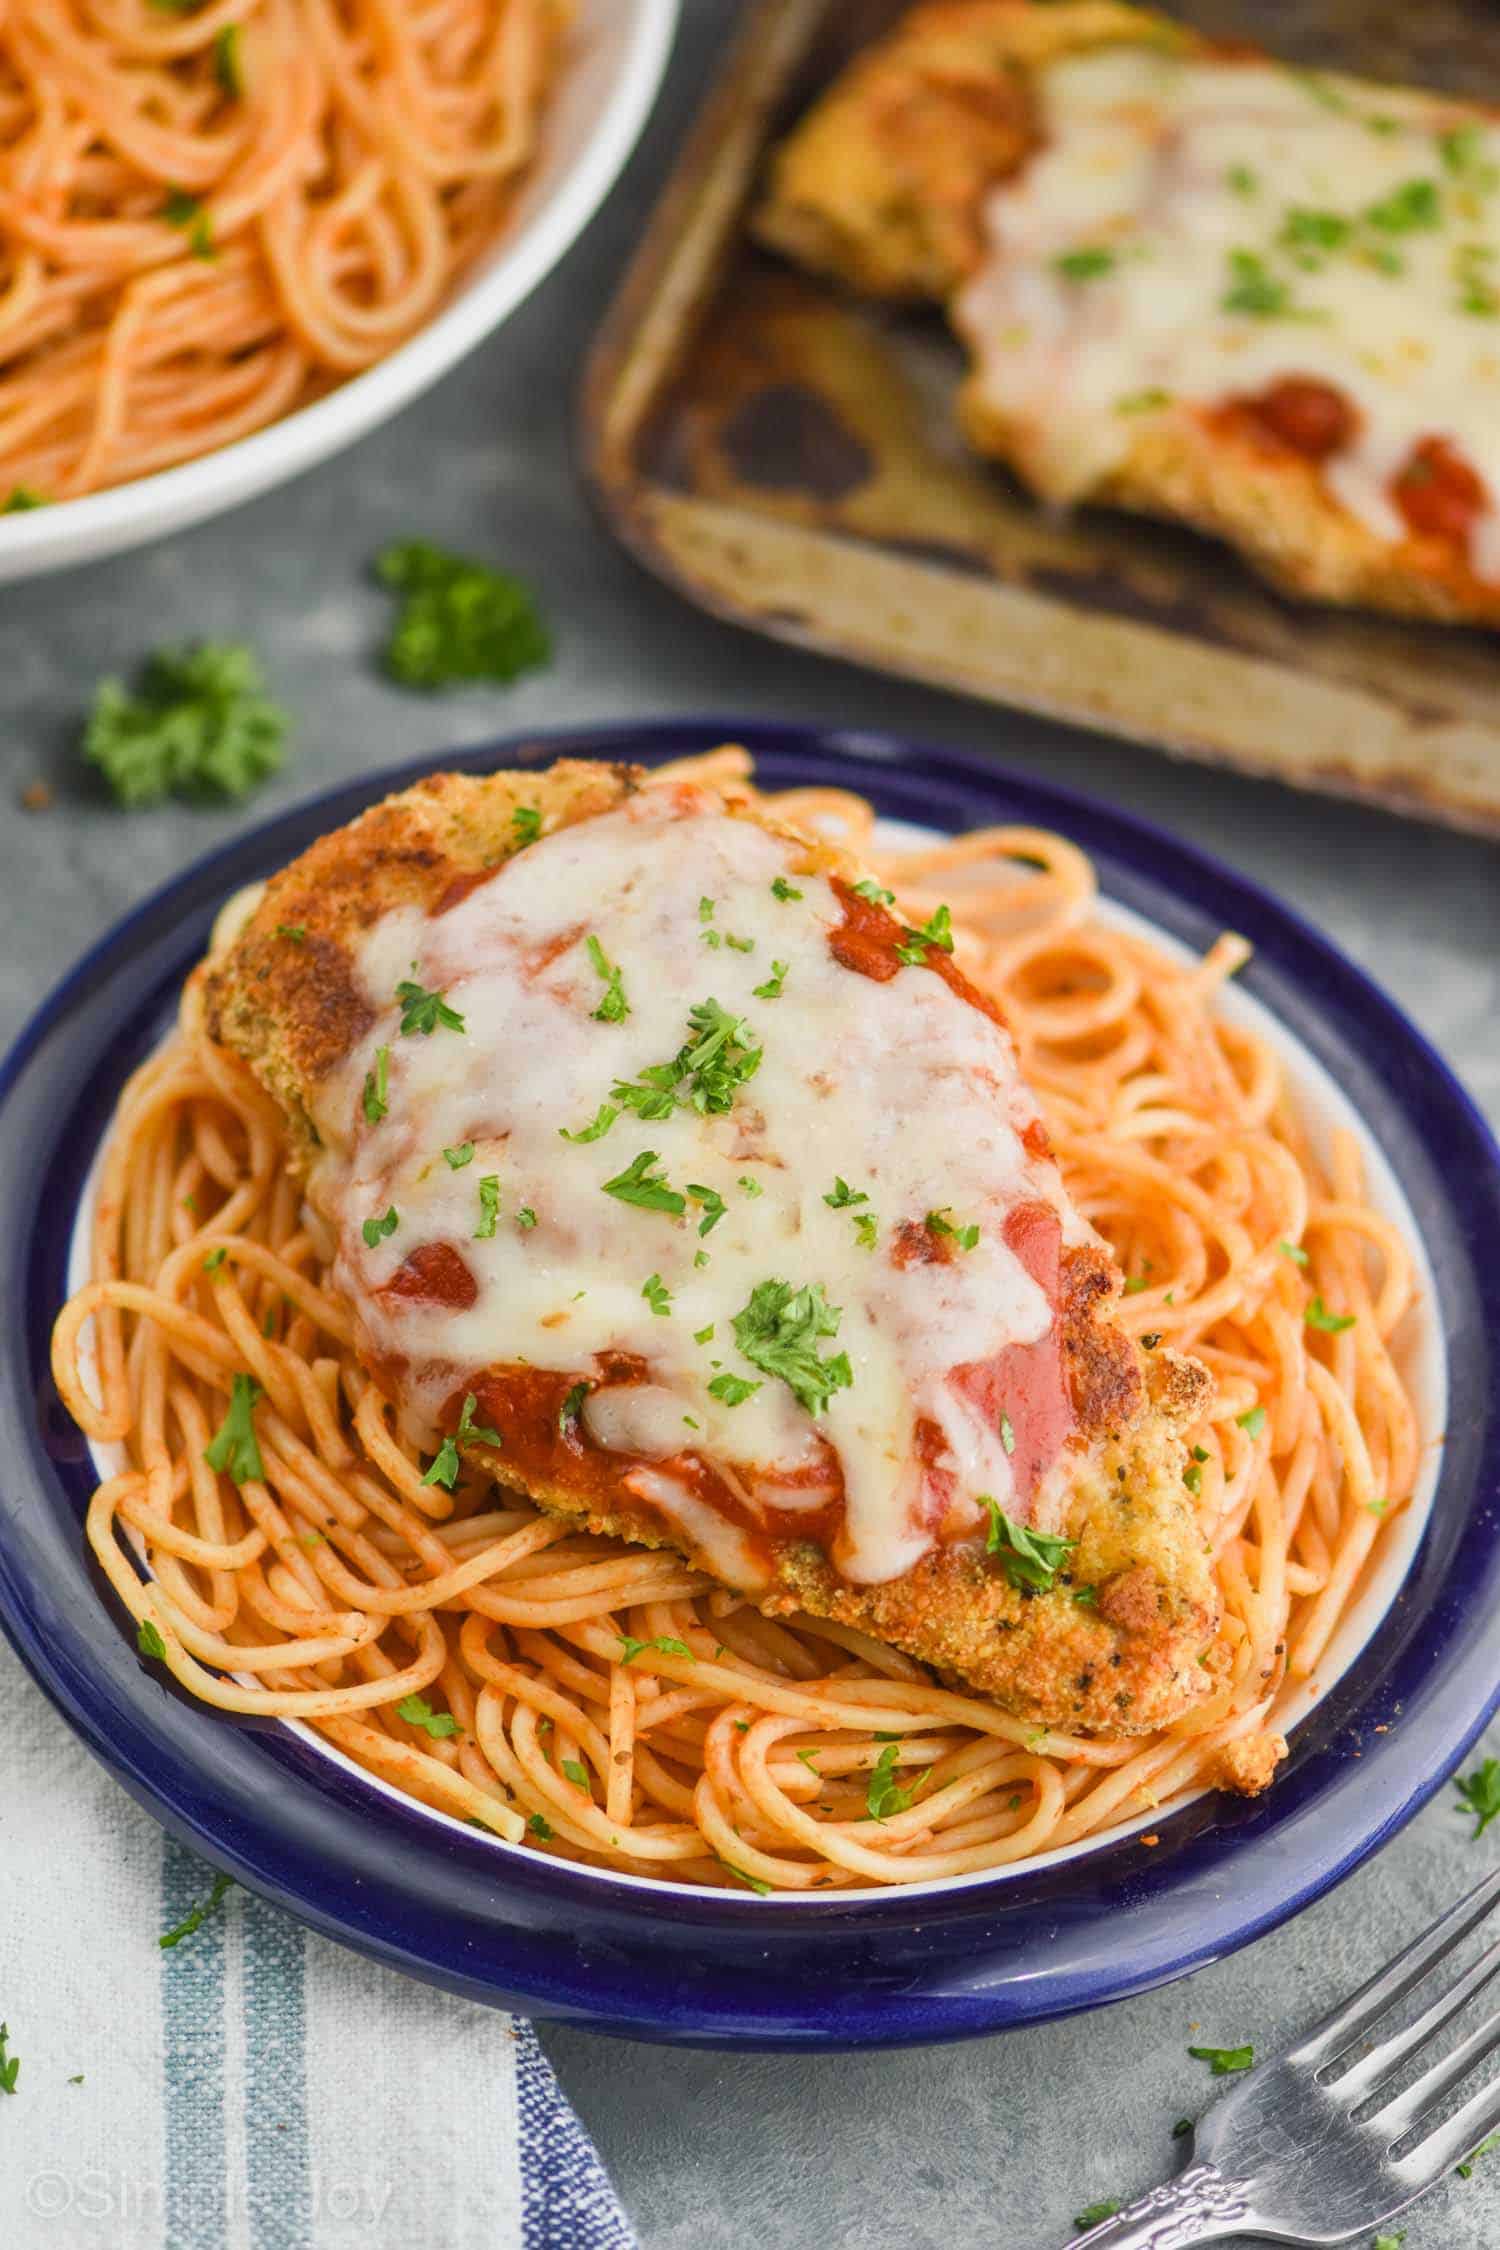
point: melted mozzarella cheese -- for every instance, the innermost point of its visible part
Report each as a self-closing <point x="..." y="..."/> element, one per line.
<point x="903" y="1089"/>
<point x="1178" y="170"/>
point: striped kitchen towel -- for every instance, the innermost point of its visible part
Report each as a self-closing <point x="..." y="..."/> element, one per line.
<point x="252" y="2087"/>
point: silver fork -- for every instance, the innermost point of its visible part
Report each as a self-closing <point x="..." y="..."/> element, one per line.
<point x="1284" y="2155"/>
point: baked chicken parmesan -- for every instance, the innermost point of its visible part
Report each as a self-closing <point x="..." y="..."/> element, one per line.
<point x="1192" y="281"/>
<point x="683" y="1184"/>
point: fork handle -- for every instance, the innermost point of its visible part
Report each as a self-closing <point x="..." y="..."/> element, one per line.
<point x="1200" y="2205"/>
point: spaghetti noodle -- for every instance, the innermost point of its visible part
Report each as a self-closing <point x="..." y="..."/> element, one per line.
<point x="608" y="1702"/>
<point x="210" y="215"/>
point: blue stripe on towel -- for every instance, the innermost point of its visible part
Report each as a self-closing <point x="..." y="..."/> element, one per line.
<point x="192" y="1999"/>
<point x="277" y="2155"/>
<point x="567" y="2202"/>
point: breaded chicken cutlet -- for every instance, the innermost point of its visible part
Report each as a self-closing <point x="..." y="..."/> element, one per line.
<point x="701" y="1199"/>
<point x="1192" y="281"/>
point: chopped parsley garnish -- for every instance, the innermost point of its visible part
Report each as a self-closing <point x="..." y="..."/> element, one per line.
<point x="762" y="1890"/>
<point x="196" y="1916"/>
<point x="445" y="1462"/>
<point x="1478" y="294"/>
<point x="21" y="498"/>
<point x="295" y="933"/>
<point x="1007" y="1433"/>
<point x="1465" y="2170"/>
<point x="866" y="1229"/>
<point x="1096" y="2214"/>
<point x="1253" y="1422"/>
<point x="748" y="1186"/>
<point x="1479" y="1793"/>
<point x="614" y="1007"/>
<point x="806" y="1756"/>
<point x="377" y="1083"/>
<point x="577" y="1773"/>
<point x="1030" y="1559"/>
<point x="186" y="211"/>
<point x="875" y="892"/>
<point x="525" y="1218"/>
<point x="778" y="1331"/>
<point x="704" y="1335"/>
<point x="1306" y="229"/>
<point x="376" y="1230"/>
<point x="646" y="1188"/>
<point x="1182" y="2128"/>
<point x="1254" y="289"/>
<point x="1318" y="1316"/>
<point x="1085" y="265"/>
<point x="1224" y="2061"/>
<point x="489" y="1206"/>
<point x="1241" y="179"/>
<point x="228" y="67"/>
<point x="664" y="1645"/>
<point x="714" y="1206"/>
<point x="215" y="1259"/>
<point x="568" y="1412"/>
<point x="10" y="2065"/>
<point x="459" y="619"/>
<point x="1136" y="1283"/>
<point x="526" y="825"/>
<point x="657" y="1295"/>
<point x="541" y="1827"/>
<point x="771" y="989"/>
<point x="1294" y="1251"/>
<point x="1326" y="96"/>
<point x="604" y="1117"/>
<point x="422" y="1012"/>
<point x="842" y="1197"/>
<point x="706" y="909"/>
<point x="783" y="890"/>
<point x="1192" y="1477"/>
<point x="941" y="1222"/>
<point x="883" y="1796"/>
<point x="457" y="1158"/>
<point x="418" y="1712"/>
<point x="721" y="1057"/>
<point x="148" y="1640"/>
<point x="1414" y="207"/>
<point x="936" y="930"/>
<point x="202" y="726"/>
<point x="1143" y="402"/>
<point x="1087" y="1597"/>
<point x="234" y="1446"/>
<point x="732" y="1390"/>
<point x="739" y="944"/>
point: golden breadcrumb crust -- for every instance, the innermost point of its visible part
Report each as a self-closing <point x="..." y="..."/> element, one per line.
<point x="1124" y="1658"/>
<point x="882" y="186"/>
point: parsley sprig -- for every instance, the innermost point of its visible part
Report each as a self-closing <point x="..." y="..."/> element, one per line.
<point x="641" y="1184"/>
<point x="936" y="931"/>
<point x="197" y="1915"/>
<point x="418" y="1712"/>
<point x="779" y="1329"/>
<point x="423" y="1011"/>
<point x="201" y="726"/>
<point x="883" y="1796"/>
<point x="705" y="1074"/>
<point x="234" y="1446"/>
<point x="1479" y="1793"/>
<point x="459" y="619"/>
<point x="614" y="1007"/>
<point x="1030" y="1559"/>
<point x="445" y="1462"/>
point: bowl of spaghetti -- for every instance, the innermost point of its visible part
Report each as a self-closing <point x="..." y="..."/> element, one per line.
<point x="237" y="237"/>
<point x="1258" y="1135"/>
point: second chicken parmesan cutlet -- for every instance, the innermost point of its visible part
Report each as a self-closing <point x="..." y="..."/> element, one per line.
<point x="685" y="1186"/>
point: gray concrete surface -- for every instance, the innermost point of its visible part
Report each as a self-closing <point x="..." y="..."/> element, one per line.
<point x="991" y="2145"/>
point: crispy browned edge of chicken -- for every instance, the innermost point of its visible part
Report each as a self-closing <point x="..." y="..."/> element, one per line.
<point x="882" y="186"/>
<point x="1130" y="1661"/>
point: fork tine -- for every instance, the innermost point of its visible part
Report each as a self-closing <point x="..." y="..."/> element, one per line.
<point x="1354" y="2084"/>
<point x="1345" y="2024"/>
<point x="1450" y="2143"/>
<point x="1398" y="2115"/>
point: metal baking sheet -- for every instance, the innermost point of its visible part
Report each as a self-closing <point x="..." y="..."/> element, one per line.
<point x="789" y="458"/>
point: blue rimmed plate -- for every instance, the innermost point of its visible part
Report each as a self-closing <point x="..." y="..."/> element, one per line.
<point x="445" y="1903"/>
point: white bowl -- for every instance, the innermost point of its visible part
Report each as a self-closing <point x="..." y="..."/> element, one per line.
<point x="601" y="102"/>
